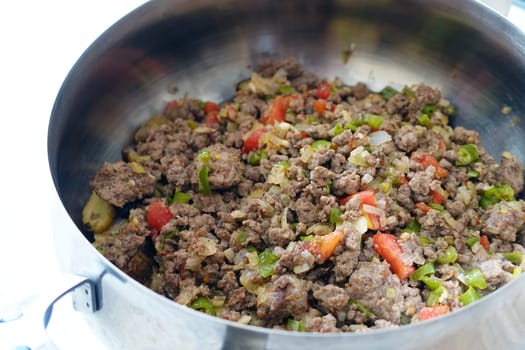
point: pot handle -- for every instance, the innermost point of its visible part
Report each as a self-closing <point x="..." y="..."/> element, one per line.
<point x="25" y="324"/>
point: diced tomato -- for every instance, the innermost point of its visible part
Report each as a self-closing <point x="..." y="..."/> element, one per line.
<point x="303" y="134"/>
<point x="429" y="312"/>
<point x="319" y="106"/>
<point x="373" y="221"/>
<point x="276" y="112"/>
<point x="170" y="106"/>
<point x="484" y="241"/>
<point x="385" y="244"/>
<point x="325" y="245"/>
<point x="323" y="90"/>
<point x="211" y="118"/>
<point x="402" y="179"/>
<point x="252" y="142"/>
<point x="210" y="107"/>
<point x="423" y="207"/>
<point x="427" y="160"/>
<point x="437" y="197"/>
<point x="158" y="214"/>
<point x="366" y="197"/>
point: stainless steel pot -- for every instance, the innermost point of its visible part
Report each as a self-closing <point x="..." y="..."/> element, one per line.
<point x="203" y="47"/>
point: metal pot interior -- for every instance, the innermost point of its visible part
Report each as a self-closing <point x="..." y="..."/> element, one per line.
<point x="202" y="48"/>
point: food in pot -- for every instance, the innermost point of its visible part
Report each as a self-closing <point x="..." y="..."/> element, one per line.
<point x="308" y="205"/>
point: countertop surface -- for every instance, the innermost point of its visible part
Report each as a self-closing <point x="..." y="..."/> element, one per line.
<point x="41" y="40"/>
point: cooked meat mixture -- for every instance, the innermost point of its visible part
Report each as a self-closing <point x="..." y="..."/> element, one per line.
<point x="309" y="205"/>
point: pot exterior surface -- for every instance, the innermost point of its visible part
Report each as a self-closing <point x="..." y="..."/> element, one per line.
<point x="203" y="48"/>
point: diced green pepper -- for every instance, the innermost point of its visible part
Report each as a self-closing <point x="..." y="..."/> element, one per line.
<point x="204" y="156"/>
<point x="372" y="120"/>
<point x="473" y="174"/>
<point x="469" y="296"/>
<point x="437" y="207"/>
<point x="319" y="144"/>
<point x="308" y="238"/>
<point x="285" y="164"/>
<point x="412" y="226"/>
<point x="424" y="120"/>
<point x="474" y="278"/>
<point x="201" y="104"/>
<point x="431" y="282"/>
<point x="285" y="90"/>
<point x="513" y="257"/>
<point x="471" y="241"/>
<point x="467" y="154"/>
<point x="335" y="216"/>
<point x="434" y="295"/>
<point x="424" y="240"/>
<point x="449" y="256"/>
<point x="204" y="184"/>
<point x="267" y="261"/>
<point x="496" y="194"/>
<point x="241" y="236"/>
<point x="388" y="92"/>
<point x="336" y="129"/>
<point x="363" y="309"/>
<point x="192" y="124"/>
<point x="203" y="303"/>
<point x="429" y="109"/>
<point x="423" y="270"/>
<point x="407" y="92"/>
<point x="255" y="157"/>
<point x="297" y="326"/>
<point x="181" y="198"/>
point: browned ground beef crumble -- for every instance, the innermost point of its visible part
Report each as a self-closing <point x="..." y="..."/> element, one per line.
<point x="251" y="250"/>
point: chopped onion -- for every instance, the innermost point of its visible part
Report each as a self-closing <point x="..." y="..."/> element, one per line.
<point x="367" y="178"/>
<point x="209" y="247"/>
<point x="238" y="214"/>
<point x="370" y="209"/>
<point x="358" y="156"/>
<point x="360" y="225"/>
<point x="229" y="254"/>
<point x="379" y="137"/>
<point x="245" y="319"/>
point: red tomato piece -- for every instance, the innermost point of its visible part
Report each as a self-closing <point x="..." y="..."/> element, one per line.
<point x="423" y="207"/>
<point x="210" y="107"/>
<point x="427" y="160"/>
<point x="373" y="221"/>
<point x="276" y="112"/>
<point x="366" y="197"/>
<point x="326" y="245"/>
<point x="319" y="106"/>
<point x="252" y="142"/>
<point x="437" y="197"/>
<point x="484" y="241"/>
<point x="170" y="106"/>
<point x="429" y="312"/>
<point x="385" y="244"/>
<point x="211" y="118"/>
<point x="158" y="214"/>
<point x="323" y="90"/>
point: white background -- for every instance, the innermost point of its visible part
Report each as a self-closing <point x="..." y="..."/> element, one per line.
<point x="39" y="43"/>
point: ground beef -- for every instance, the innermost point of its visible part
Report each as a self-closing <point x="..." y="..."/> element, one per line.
<point x="503" y="220"/>
<point x="511" y="172"/>
<point x="269" y="208"/>
<point x="119" y="184"/>
<point x="369" y="283"/>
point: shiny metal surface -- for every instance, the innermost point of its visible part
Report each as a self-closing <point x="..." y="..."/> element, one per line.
<point x="203" y="47"/>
